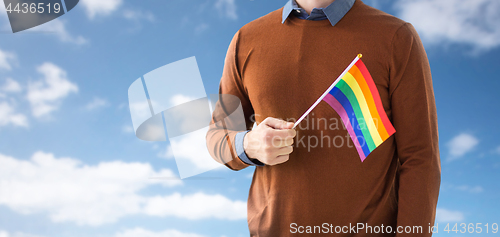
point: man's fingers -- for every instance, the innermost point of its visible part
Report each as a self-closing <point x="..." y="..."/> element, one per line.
<point x="277" y="123"/>
<point x="274" y="141"/>
<point x="282" y="142"/>
<point x="288" y="141"/>
<point x="285" y="150"/>
<point x="282" y="134"/>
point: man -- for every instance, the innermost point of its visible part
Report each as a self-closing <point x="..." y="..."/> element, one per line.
<point x="278" y="66"/>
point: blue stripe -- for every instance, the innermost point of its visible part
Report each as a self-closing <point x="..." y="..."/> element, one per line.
<point x="342" y="99"/>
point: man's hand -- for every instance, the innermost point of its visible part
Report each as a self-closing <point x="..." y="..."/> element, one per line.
<point x="270" y="142"/>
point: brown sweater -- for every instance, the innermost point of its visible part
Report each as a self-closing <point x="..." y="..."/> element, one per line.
<point x="279" y="70"/>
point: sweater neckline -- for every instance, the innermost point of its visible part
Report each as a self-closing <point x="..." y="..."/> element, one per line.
<point x="304" y="22"/>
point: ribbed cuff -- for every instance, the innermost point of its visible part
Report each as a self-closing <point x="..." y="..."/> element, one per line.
<point x="238" y="144"/>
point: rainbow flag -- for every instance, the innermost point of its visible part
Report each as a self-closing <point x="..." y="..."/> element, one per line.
<point x="357" y="101"/>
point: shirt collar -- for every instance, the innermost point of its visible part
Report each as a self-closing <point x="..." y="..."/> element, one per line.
<point x="334" y="12"/>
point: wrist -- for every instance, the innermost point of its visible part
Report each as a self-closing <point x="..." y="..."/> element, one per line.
<point x="245" y="141"/>
<point x="242" y="143"/>
<point x="246" y="144"/>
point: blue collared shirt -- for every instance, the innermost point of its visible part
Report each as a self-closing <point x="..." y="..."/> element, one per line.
<point x="334" y="13"/>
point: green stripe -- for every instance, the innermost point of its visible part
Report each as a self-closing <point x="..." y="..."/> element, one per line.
<point x="344" y="87"/>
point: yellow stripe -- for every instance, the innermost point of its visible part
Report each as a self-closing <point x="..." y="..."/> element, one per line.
<point x="356" y="73"/>
<point x="351" y="81"/>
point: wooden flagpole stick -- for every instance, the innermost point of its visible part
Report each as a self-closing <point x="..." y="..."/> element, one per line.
<point x="327" y="91"/>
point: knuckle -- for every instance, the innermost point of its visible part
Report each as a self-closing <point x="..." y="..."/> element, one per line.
<point x="268" y="150"/>
<point x="268" y="140"/>
<point x="269" y="119"/>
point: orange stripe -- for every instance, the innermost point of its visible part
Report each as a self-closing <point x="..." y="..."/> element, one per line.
<point x="371" y="103"/>
<point x="376" y="96"/>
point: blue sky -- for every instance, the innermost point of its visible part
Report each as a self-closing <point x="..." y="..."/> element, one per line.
<point x="70" y="164"/>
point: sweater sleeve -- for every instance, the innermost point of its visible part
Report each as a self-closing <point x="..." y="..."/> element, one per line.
<point x="415" y="120"/>
<point x="224" y="128"/>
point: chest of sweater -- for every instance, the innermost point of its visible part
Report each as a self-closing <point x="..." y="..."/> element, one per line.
<point x="287" y="71"/>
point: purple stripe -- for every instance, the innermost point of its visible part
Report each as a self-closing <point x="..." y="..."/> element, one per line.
<point x="343" y="115"/>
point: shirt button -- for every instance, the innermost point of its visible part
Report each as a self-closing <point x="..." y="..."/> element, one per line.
<point x="298" y="11"/>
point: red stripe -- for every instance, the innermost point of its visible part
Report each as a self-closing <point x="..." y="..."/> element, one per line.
<point x="376" y="97"/>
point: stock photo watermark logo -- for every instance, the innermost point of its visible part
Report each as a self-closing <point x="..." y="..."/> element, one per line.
<point x="319" y="133"/>
<point x="171" y="102"/>
<point x="25" y="14"/>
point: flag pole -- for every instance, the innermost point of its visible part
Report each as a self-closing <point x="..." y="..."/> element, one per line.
<point x="327" y="91"/>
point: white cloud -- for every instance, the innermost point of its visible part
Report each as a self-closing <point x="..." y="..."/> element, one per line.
<point x="96" y="103"/>
<point x="470" y="22"/>
<point x="166" y="153"/>
<point x="69" y="191"/>
<point x="100" y="7"/>
<point x="191" y="147"/>
<point x="140" y="109"/>
<point x="139" y="232"/>
<point x="11" y="85"/>
<point x="201" y="28"/>
<point x="461" y="144"/>
<point x="196" y="206"/>
<point x="16" y="234"/>
<point x="8" y="113"/>
<point x="8" y="116"/>
<point x="127" y="129"/>
<point x="466" y="188"/>
<point x="444" y="215"/>
<point x="46" y="95"/>
<point x="137" y="15"/>
<point x="497" y="150"/>
<point x="58" y="27"/>
<point x="180" y="99"/>
<point x="6" y="60"/>
<point x="227" y="8"/>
